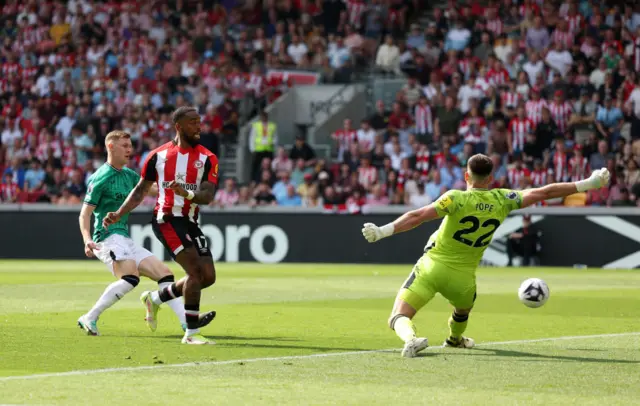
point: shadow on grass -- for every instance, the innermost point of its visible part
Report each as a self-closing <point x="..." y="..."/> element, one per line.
<point x="533" y="356"/>
<point x="240" y="338"/>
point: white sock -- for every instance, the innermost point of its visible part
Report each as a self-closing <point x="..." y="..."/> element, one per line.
<point x="155" y="296"/>
<point x="175" y="304"/>
<point x="112" y="294"/>
<point x="191" y="332"/>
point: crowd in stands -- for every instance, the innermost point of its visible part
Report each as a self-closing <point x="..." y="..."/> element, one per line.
<point x="549" y="89"/>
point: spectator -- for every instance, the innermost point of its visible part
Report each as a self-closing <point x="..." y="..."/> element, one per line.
<point x="227" y="196"/>
<point x="263" y="140"/>
<point x="420" y="198"/>
<point x="290" y="198"/>
<point x="609" y="120"/>
<point x="302" y="151"/>
<point x="599" y="159"/>
<point x="263" y="196"/>
<point x="312" y="199"/>
<point x="9" y="189"/>
<point x="34" y="177"/>
<point x="282" y="162"/>
<point x="388" y="57"/>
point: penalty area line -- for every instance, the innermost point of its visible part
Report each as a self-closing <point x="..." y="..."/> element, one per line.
<point x="292" y="357"/>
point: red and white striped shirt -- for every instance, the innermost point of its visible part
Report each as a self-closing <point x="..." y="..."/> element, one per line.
<point x="367" y="177"/>
<point x="345" y="138"/>
<point x="510" y="99"/>
<point x="566" y="38"/>
<point x="256" y="84"/>
<point x="539" y="178"/>
<point x="518" y="129"/>
<point x="560" y="167"/>
<point x="356" y="9"/>
<point x="575" y="23"/>
<point x="424" y="119"/>
<point x="225" y="198"/>
<point x="579" y="168"/>
<point x="516" y="176"/>
<point x="9" y="192"/>
<point x="533" y="110"/>
<point x="561" y="114"/>
<point x="495" y="26"/>
<point x="189" y="167"/>
<point x="11" y="68"/>
<point x="473" y="128"/>
<point x="497" y="78"/>
<point x="423" y="162"/>
<point x="403" y="176"/>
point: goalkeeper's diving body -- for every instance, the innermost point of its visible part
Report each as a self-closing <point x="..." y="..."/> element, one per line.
<point x="454" y="251"/>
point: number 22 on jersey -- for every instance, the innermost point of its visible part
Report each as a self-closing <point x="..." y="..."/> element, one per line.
<point x="473" y="224"/>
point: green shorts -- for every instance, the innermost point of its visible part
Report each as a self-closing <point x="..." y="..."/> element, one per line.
<point x="428" y="278"/>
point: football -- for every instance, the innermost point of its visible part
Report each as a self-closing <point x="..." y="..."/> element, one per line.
<point x="533" y="292"/>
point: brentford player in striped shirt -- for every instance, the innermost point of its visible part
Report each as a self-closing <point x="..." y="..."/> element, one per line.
<point x="187" y="175"/>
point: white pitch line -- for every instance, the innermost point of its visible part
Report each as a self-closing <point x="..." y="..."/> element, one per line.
<point x="290" y="357"/>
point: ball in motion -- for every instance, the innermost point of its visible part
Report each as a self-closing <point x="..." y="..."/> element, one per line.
<point x="533" y="292"/>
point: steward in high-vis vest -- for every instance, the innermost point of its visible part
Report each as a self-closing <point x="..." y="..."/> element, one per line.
<point x="262" y="143"/>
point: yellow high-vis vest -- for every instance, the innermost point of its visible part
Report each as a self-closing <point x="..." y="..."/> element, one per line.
<point x="263" y="142"/>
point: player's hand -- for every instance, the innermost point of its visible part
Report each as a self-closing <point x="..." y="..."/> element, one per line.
<point x="599" y="178"/>
<point x="110" y="218"/>
<point x="177" y="189"/>
<point x="372" y="232"/>
<point x="89" y="246"/>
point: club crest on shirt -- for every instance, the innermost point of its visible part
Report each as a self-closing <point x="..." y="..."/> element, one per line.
<point x="198" y="164"/>
<point x="512" y="195"/>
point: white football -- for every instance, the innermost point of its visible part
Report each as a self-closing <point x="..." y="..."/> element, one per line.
<point x="533" y="292"/>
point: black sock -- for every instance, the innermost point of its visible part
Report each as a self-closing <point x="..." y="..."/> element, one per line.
<point x="192" y="314"/>
<point x="169" y="293"/>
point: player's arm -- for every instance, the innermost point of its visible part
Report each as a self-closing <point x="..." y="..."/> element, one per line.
<point x="148" y="178"/>
<point x="207" y="191"/>
<point x="598" y="179"/>
<point x="84" y="220"/>
<point x="135" y="197"/>
<point x="411" y="219"/>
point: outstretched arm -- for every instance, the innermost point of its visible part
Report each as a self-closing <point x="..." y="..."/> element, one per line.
<point x="598" y="179"/>
<point x="406" y="222"/>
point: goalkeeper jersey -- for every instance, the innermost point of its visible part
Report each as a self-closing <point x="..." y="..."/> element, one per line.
<point x="470" y="219"/>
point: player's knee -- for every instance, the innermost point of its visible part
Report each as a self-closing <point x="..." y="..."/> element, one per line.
<point x="131" y="279"/>
<point x="460" y="315"/>
<point x="208" y="279"/>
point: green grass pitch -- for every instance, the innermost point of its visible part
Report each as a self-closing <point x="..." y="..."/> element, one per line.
<point x="312" y="335"/>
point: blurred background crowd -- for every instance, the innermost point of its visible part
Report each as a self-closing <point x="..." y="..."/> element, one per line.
<point x="549" y="89"/>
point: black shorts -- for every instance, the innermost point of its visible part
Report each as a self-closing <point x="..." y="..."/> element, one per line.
<point x="178" y="233"/>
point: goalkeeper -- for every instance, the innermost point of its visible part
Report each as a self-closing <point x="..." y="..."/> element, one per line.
<point x="453" y="252"/>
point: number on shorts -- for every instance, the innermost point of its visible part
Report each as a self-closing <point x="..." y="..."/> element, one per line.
<point x="484" y="239"/>
<point x="201" y="242"/>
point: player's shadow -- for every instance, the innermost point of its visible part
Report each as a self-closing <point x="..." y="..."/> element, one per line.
<point x="239" y="338"/>
<point x="536" y="357"/>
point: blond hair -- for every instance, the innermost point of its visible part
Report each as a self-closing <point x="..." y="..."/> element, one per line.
<point x="116" y="136"/>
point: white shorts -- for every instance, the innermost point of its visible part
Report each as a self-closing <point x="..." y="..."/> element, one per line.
<point x="117" y="247"/>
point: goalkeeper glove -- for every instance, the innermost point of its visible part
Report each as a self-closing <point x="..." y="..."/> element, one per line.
<point x="373" y="233"/>
<point x="598" y="179"/>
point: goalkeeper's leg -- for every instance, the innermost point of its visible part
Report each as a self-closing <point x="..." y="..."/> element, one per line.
<point x="413" y="295"/>
<point x="462" y="305"/>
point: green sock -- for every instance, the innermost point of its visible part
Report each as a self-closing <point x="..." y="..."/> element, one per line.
<point x="404" y="328"/>
<point x="457" y="325"/>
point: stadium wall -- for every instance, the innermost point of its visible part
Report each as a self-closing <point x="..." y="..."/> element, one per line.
<point x="594" y="237"/>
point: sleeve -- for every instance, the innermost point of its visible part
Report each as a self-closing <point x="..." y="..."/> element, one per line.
<point x="445" y="204"/>
<point x="512" y="199"/>
<point x="149" y="171"/>
<point x="133" y="175"/>
<point x="94" y="192"/>
<point x="211" y="169"/>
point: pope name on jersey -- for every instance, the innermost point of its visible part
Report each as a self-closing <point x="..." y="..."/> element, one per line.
<point x="470" y="219"/>
<point x="189" y="168"/>
<point x="108" y="188"/>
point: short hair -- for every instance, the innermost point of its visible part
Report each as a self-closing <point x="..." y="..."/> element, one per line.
<point x="181" y="112"/>
<point x="116" y="135"/>
<point x="480" y="165"/>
